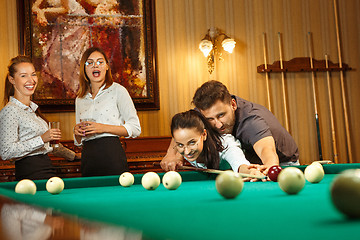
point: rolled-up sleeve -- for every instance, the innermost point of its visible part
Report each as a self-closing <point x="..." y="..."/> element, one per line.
<point x="233" y="153"/>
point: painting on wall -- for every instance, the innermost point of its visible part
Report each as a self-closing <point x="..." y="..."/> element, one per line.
<point x="55" y="33"/>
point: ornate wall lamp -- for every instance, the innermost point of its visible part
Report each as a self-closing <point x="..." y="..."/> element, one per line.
<point x="209" y="46"/>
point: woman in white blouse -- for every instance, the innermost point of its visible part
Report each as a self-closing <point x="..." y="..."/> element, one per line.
<point x="25" y="135"/>
<point x="104" y="112"/>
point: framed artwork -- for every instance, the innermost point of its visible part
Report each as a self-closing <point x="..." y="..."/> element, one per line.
<point x="55" y="33"/>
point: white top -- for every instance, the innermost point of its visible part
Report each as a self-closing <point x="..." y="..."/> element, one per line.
<point x="232" y="153"/>
<point x="112" y="106"/>
<point x="21" y="130"/>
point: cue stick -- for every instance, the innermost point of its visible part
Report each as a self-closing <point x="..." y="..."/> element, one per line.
<point x="324" y="162"/>
<point x="266" y="73"/>
<point x="244" y="175"/>
<point x="283" y="85"/>
<point x="342" y="85"/>
<point x="333" y="135"/>
<point x="314" y="96"/>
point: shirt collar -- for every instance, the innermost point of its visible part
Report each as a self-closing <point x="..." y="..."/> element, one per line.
<point x="32" y="108"/>
<point x="100" y="90"/>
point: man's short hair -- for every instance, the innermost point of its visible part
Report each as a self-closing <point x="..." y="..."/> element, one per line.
<point x="209" y="93"/>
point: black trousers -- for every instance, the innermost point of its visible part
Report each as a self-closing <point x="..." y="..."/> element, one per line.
<point x="103" y="156"/>
<point x="34" y="167"/>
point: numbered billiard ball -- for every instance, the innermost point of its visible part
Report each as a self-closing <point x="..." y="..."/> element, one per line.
<point x="126" y="179"/>
<point x="171" y="180"/>
<point x="274" y="172"/>
<point x="150" y="180"/>
<point x="345" y="193"/>
<point x="291" y="180"/>
<point x="314" y="173"/>
<point x="55" y="185"/>
<point x="229" y="184"/>
<point x="25" y="186"/>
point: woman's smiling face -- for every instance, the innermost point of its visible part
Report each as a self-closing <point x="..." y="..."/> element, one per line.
<point x="25" y="80"/>
<point x="189" y="142"/>
<point x="96" y="67"/>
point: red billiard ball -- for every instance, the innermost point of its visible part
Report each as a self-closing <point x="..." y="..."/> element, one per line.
<point x="274" y="172"/>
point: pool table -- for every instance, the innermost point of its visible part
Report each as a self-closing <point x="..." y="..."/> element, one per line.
<point x="196" y="211"/>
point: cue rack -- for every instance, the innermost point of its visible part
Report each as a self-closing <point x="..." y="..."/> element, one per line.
<point x="308" y="64"/>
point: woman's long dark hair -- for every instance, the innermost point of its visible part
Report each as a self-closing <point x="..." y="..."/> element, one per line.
<point x="212" y="145"/>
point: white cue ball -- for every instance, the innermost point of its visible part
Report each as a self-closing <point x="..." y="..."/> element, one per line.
<point x="25" y="186"/>
<point x="314" y="173"/>
<point x="171" y="180"/>
<point x="150" y="180"/>
<point x="229" y="184"/>
<point x="317" y="164"/>
<point x="55" y="185"/>
<point x="126" y="179"/>
<point x="291" y="180"/>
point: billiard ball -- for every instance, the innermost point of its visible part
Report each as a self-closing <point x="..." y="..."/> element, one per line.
<point x="314" y="173"/>
<point x="345" y="193"/>
<point x="291" y="180"/>
<point x="126" y="179"/>
<point x="150" y="180"/>
<point x="229" y="184"/>
<point x="317" y="164"/>
<point x="25" y="186"/>
<point x="55" y="185"/>
<point x="171" y="180"/>
<point x="274" y="172"/>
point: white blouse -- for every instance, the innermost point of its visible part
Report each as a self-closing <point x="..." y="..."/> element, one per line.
<point x="232" y="153"/>
<point x="21" y="130"/>
<point x="112" y="106"/>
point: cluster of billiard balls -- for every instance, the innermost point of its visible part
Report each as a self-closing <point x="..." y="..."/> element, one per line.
<point x="291" y="179"/>
<point x="54" y="185"/>
<point x="345" y="189"/>
<point x="151" y="180"/>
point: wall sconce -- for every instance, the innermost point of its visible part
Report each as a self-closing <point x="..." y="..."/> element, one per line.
<point x="209" y="46"/>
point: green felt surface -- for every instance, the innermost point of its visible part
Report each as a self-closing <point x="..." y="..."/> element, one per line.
<point x="196" y="211"/>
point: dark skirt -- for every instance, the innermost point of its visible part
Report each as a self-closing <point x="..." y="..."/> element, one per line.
<point x="103" y="156"/>
<point x="34" y="167"/>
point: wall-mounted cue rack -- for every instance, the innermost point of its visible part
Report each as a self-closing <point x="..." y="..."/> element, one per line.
<point x="308" y="64"/>
<point x="302" y="64"/>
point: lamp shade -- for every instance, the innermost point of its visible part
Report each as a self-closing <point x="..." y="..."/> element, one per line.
<point x="228" y="44"/>
<point x="205" y="47"/>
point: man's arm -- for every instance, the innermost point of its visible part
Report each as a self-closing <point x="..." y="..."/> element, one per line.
<point x="172" y="159"/>
<point x="266" y="150"/>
